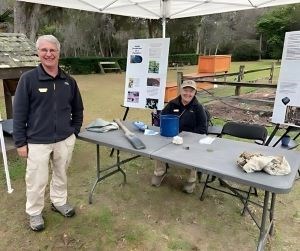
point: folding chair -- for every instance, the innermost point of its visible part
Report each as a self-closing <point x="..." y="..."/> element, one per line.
<point x="244" y="131"/>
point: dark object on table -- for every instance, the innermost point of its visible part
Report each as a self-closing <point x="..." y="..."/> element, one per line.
<point x="133" y="139"/>
<point x="285" y="140"/>
<point x="140" y="125"/>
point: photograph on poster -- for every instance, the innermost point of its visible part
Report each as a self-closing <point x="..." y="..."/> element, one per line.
<point x="292" y="115"/>
<point x="133" y="97"/>
<point x="153" y="66"/>
<point x="153" y="82"/>
<point x="151" y="103"/>
<point x="152" y="92"/>
<point x="154" y="52"/>
<point x="133" y="82"/>
<point x="136" y="59"/>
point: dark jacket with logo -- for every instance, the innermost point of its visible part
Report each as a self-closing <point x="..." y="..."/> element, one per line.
<point x="192" y="117"/>
<point x="46" y="109"/>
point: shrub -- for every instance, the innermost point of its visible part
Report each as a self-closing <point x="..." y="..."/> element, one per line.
<point x="246" y="50"/>
<point x="88" y="65"/>
<point x="186" y="59"/>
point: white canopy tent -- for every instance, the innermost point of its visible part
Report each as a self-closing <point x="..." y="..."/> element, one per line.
<point x="162" y="9"/>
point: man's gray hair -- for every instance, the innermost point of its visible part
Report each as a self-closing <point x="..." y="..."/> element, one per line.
<point x="48" y="38"/>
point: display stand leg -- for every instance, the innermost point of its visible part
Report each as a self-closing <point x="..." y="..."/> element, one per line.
<point x="272" y="134"/>
<point x="285" y="133"/>
<point x="9" y="188"/>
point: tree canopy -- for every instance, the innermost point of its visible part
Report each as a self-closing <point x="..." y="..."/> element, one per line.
<point x="5" y="18"/>
<point x="274" y="24"/>
<point x="92" y="34"/>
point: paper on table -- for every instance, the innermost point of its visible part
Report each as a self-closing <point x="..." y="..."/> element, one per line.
<point x="150" y="132"/>
<point x="207" y="140"/>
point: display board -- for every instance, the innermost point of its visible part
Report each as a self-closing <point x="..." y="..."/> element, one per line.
<point x="146" y="73"/>
<point x="287" y="101"/>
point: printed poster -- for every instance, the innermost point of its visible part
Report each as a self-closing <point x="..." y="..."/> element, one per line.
<point x="287" y="102"/>
<point x="146" y="73"/>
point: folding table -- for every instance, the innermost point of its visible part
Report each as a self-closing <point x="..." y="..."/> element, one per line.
<point x="218" y="159"/>
<point x="116" y="140"/>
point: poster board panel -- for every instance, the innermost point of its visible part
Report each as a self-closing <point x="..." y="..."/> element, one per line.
<point x="146" y="73"/>
<point x="287" y="102"/>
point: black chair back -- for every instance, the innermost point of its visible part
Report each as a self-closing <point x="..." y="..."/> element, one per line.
<point x="245" y="131"/>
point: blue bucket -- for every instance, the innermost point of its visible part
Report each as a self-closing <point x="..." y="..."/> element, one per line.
<point x="169" y="125"/>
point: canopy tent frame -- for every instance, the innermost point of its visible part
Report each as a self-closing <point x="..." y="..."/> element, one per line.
<point x="163" y="9"/>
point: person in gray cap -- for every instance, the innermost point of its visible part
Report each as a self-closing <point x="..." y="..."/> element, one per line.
<point x="192" y="118"/>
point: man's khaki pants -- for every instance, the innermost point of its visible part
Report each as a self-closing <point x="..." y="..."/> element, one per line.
<point x="160" y="169"/>
<point x="39" y="156"/>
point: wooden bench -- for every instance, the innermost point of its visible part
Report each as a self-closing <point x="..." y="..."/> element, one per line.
<point x="109" y="66"/>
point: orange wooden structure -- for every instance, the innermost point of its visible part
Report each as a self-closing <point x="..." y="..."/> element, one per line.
<point x="208" y="66"/>
<point x="171" y="91"/>
<point x="171" y="87"/>
<point x="214" y="64"/>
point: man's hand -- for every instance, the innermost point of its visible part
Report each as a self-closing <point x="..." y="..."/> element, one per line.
<point x="23" y="151"/>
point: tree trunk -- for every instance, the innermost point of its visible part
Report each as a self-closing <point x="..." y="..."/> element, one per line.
<point x="33" y="22"/>
<point x="20" y="17"/>
<point x="151" y="27"/>
<point x="109" y="48"/>
<point x="198" y="49"/>
<point x="27" y="17"/>
<point x="100" y="46"/>
<point x="217" y="48"/>
<point x="260" y="46"/>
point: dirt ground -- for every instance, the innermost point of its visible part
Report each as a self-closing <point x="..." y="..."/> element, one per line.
<point x="245" y="111"/>
<point x="137" y="216"/>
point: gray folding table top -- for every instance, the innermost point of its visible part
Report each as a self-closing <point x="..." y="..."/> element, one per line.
<point x="116" y="139"/>
<point x="219" y="159"/>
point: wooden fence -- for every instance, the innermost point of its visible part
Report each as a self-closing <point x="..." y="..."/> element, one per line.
<point x="238" y="84"/>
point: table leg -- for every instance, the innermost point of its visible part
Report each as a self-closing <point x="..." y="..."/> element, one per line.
<point x="204" y="187"/>
<point x="98" y="174"/>
<point x="263" y="233"/>
<point x="273" y="200"/>
<point x="119" y="167"/>
<point x="109" y="171"/>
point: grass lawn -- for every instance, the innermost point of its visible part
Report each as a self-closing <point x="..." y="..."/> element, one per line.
<point x="137" y="216"/>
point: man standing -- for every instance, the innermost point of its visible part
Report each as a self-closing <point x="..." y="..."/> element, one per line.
<point x="47" y="113"/>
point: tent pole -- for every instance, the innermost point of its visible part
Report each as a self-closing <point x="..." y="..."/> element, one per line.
<point x="163" y="27"/>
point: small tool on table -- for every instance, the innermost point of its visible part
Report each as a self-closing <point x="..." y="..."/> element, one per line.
<point x="132" y="138"/>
